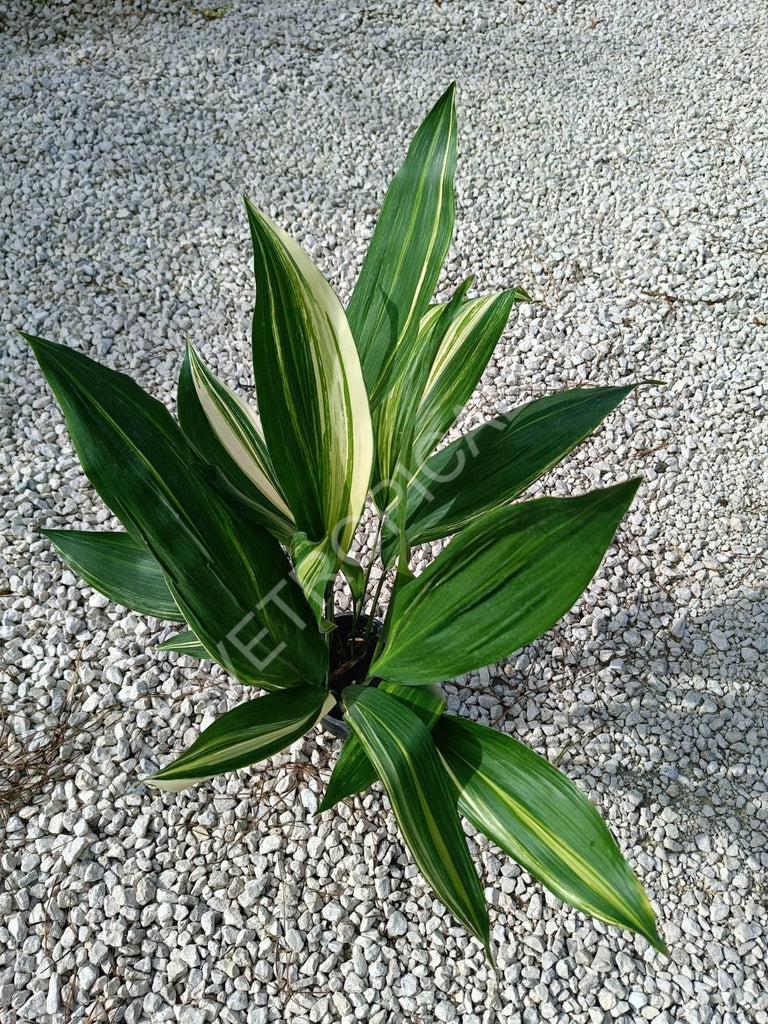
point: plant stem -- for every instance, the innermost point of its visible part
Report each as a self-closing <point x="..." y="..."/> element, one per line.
<point x="385" y="627"/>
<point x="328" y="611"/>
<point x="402" y="562"/>
<point x="374" y="606"/>
<point x="402" y="519"/>
<point x="382" y="635"/>
<point x="376" y="541"/>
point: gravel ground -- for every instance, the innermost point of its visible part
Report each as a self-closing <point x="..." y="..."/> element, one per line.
<point x="613" y="162"/>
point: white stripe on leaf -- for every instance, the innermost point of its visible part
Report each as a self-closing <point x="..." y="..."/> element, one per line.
<point x="245" y="735"/>
<point x="324" y="424"/>
<point x="238" y="427"/>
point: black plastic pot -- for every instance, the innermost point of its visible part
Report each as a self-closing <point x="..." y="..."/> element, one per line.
<point x="348" y="667"/>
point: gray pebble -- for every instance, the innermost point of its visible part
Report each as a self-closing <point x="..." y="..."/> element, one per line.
<point x="397" y="924"/>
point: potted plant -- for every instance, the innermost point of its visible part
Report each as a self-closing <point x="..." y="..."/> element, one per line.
<point x="240" y="515"/>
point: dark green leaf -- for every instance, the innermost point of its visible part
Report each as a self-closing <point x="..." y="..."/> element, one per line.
<point x="117" y="565"/>
<point x="537" y="816"/>
<point x="355" y="577"/>
<point x="495" y="463"/>
<point x="402" y="750"/>
<point x="499" y="584"/>
<point x="229" y="577"/>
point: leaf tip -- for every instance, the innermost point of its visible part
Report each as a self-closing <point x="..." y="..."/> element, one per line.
<point x="325" y="805"/>
<point x="634" y="483"/>
<point x="167" y="785"/>
<point x="254" y="213"/>
<point x="30" y="339"/>
<point x="656" y="940"/>
<point x="627" y="489"/>
<point x="447" y="103"/>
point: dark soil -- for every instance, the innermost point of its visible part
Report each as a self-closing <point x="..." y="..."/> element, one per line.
<point x="351" y="656"/>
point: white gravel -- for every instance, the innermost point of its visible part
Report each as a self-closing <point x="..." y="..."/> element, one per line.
<point x="613" y="162"/>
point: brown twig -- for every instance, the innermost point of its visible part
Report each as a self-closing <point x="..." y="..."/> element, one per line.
<point x="672" y="299"/>
<point x="33" y="762"/>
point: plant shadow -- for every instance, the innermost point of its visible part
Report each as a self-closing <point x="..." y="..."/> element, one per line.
<point x="667" y="717"/>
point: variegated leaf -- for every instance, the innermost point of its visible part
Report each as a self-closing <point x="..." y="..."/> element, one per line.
<point x="402" y="751"/>
<point x="245" y="735"/>
<point x="229" y="577"/>
<point x="467" y="344"/>
<point x="500" y="583"/>
<point x="184" y="643"/>
<point x="118" y="566"/>
<point x="493" y="464"/>
<point x="315" y="568"/>
<point x="312" y="398"/>
<point x="227" y="432"/>
<point x="536" y="815"/>
<point x="353" y="771"/>
<point x="408" y="248"/>
<point x="396" y="416"/>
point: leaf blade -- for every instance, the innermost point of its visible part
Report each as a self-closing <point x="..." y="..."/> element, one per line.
<point x="404" y="384"/>
<point x="401" y="748"/>
<point x="229" y="578"/>
<point x="467" y="344"/>
<point x="118" y="566"/>
<point x="245" y="735"/>
<point x="312" y="397"/>
<point x="315" y="568"/>
<point x="227" y="434"/>
<point x="184" y="643"/>
<point x="497" y="461"/>
<point x="499" y="584"/>
<point x="355" y="577"/>
<point x="353" y="772"/>
<point x="537" y="815"/>
<point x="408" y="247"/>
